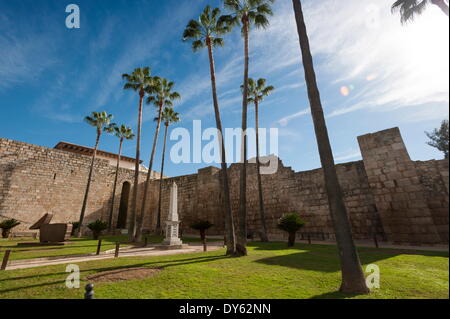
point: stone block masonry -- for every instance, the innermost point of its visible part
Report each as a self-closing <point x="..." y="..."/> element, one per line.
<point x="405" y="202"/>
<point x="410" y="196"/>
<point x="386" y="193"/>
<point x="36" y="180"/>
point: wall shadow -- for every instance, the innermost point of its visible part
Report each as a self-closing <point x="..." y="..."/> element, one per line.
<point x="5" y="180"/>
<point x="324" y="258"/>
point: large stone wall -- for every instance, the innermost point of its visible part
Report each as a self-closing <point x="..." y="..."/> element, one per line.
<point x="36" y="180"/>
<point x="399" y="186"/>
<point x="199" y="197"/>
<point x="386" y="193"/>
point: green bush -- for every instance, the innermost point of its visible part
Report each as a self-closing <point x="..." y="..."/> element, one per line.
<point x="291" y="223"/>
<point x="97" y="227"/>
<point x="7" y="225"/>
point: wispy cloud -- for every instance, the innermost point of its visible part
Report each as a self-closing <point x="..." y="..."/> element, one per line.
<point x="373" y="51"/>
<point x="387" y="64"/>
<point x="199" y="84"/>
<point x="54" y="106"/>
<point x="348" y="155"/>
<point x="285" y="120"/>
<point x="21" y="53"/>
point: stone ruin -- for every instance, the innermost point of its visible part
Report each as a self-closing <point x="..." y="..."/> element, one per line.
<point x="387" y="193"/>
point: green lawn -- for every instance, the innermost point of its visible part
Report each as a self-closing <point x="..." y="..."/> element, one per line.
<point x="270" y="271"/>
<point x="77" y="246"/>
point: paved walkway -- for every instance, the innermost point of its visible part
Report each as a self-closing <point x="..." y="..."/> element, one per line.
<point x="124" y="252"/>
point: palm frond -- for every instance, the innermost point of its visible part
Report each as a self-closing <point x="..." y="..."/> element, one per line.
<point x="409" y="9"/>
<point x="151" y="100"/>
<point x="256" y="12"/>
<point x="261" y="21"/>
<point x="100" y="120"/>
<point x="169" y="116"/>
<point x="138" y="80"/>
<point x="110" y="128"/>
<point x="193" y="30"/>
<point x="209" y="26"/>
<point x="218" y="42"/>
<point x="197" y="45"/>
<point x="168" y="103"/>
<point x="232" y="5"/>
<point x="89" y="120"/>
<point x="265" y="9"/>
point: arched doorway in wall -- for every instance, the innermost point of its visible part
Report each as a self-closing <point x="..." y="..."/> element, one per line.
<point x="123" y="208"/>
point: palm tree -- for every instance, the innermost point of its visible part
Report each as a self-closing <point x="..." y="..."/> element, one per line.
<point x="101" y="121"/>
<point x="410" y="8"/>
<point x="207" y="32"/>
<point x="246" y="13"/>
<point x="352" y="275"/>
<point x="162" y="95"/>
<point x="257" y="91"/>
<point x="123" y="133"/>
<point x="169" y="116"/>
<point x="139" y="81"/>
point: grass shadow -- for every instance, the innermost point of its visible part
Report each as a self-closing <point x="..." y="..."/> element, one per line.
<point x="334" y="295"/>
<point x="325" y="257"/>
<point x="163" y="264"/>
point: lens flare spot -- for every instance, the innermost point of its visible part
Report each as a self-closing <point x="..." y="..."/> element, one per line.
<point x="371" y="77"/>
<point x="345" y="91"/>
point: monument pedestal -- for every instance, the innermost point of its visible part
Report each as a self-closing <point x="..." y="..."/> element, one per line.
<point x="172" y="224"/>
<point x="172" y="231"/>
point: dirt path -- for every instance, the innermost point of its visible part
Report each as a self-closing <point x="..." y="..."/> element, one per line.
<point x="124" y="252"/>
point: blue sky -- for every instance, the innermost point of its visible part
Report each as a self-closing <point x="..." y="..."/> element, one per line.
<point x="373" y="73"/>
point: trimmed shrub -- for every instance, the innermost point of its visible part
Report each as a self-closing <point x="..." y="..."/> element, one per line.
<point x="202" y="226"/>
<point x="7" y="225"/>
<point x="97" y="227"/>
<point x="291" y="223"/>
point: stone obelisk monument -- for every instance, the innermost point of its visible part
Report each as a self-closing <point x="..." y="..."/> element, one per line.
<point x="172" y="223"/>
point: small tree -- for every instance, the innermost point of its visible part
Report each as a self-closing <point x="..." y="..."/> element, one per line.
<point x="202" y="227"/>
<point x="7" y="225"/>
<point x="291" y="224"/>
<point x="440" y="138"/>
<point x="102" y="123"/>
<point x="97" y="227"/>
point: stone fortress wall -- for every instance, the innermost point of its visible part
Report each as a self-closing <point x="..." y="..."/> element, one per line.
<point x="35" y="180"/>
<point x="386" y="193"/>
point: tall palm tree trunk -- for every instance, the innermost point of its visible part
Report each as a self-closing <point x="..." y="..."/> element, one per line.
<point x="132" y="226"/>
<point x="241" y="245"/>
<point x="149" y="173"/>
<point x="263" y="233"/>
<point x="158" y="221"/>
<point x="441" y="4"/>
<point x="352" y="275"/>
<point x="111" y="211"/>
<point x="229" y="222"/>
<point x="88" y="186"/>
